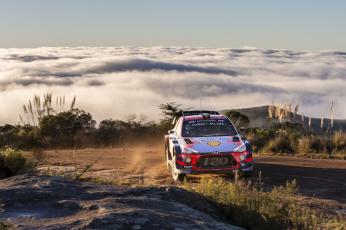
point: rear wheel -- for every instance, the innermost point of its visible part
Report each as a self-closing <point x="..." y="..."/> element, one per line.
<point x="178" y="177"/>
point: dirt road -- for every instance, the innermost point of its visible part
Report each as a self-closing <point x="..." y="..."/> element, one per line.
<point x="324" y="179"/>
<point x="315" y="177"/>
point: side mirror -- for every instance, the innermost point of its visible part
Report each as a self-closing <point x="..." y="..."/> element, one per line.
<point x="236" y="139"/>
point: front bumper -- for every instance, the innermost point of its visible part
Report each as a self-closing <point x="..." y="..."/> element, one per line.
<point x="244" y="165"/>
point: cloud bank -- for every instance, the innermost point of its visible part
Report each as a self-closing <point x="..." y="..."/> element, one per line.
<point x="117" y="81"/>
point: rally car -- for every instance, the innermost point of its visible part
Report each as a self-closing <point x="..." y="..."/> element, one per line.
<point x="206" y="142"/>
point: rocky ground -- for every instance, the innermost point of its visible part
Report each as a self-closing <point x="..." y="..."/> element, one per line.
<point x="48" y="202"/>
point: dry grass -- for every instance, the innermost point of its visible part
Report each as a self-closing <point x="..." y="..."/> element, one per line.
<point x="250" y="207"/>
<point x="280" y="144"/>
<point x="38" y="107"/>
<point x="339" y="141"/>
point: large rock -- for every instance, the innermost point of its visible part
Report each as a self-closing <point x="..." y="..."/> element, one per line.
<point x="30" y="202"/>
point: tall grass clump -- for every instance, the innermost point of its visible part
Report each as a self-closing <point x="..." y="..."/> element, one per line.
<point x="15" y="161"/>
<point x="339" y="142"/>
<point x="252" y="208"/>
<point x="332" y="145"/>
<point x="280" y="144"/>
<point x="314" y="144"/>
<point x="39" y="107"/>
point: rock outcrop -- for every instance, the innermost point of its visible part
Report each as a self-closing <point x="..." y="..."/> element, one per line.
<point x="31" y="202"/>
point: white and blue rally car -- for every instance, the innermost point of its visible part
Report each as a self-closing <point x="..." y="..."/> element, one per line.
<point x="206" y="142"/>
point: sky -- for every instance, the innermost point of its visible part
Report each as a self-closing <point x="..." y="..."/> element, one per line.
<point x="127" y="57"/>
<point x="295" y="24"/>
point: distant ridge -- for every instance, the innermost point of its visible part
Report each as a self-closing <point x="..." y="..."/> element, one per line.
<point x="259" y="118"/>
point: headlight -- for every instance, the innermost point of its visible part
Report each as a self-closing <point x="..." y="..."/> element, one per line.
<point x="242" y="157"/>
<point x="240" y="148"/>
<point x="187" y="160"/>
<point x="188" y="150"/>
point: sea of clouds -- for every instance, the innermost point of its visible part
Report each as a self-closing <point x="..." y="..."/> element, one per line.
<point x="114" y="82"/>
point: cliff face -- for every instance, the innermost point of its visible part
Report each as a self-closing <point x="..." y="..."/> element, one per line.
<point x="30" y="202"/>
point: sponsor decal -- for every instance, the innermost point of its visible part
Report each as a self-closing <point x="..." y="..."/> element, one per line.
<point x="214" y="143"/>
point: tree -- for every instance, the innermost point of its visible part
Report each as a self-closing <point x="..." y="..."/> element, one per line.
<point x="108" y="132"/>
<point x="169" y="111"/>
<point x="62" y="129"/>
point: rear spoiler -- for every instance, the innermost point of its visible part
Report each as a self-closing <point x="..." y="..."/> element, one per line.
<point x="192" y="113"/>
<point x="199" y="112"/>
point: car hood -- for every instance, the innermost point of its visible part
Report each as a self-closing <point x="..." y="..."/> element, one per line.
<point x="212" y="144"/>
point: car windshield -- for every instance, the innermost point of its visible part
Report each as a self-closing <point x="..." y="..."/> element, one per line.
<point x="208" y="127"/>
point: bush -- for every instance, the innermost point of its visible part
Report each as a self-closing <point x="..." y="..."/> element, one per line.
<point x="280" y="144"/>
<point x="14" y="161"/>
<point x="258" y="138"/>
<point x="314" y="144"/>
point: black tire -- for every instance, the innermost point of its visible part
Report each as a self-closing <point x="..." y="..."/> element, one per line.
<point x="246" y="174"/>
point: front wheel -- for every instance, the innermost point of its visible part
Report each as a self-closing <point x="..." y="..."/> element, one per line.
<point x="177" y="177"/>
<point x="246" y="174"/>
<point x="167" y="156"/>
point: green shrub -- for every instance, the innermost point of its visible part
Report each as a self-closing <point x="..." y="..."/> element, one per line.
<point x="15" y="161"/>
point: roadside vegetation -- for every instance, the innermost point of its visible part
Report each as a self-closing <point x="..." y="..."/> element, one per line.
<point x="291" y="139"/>
<point x="251" y="207"/>
<point x="14" y="162"/>
<point x="52" y="122"/>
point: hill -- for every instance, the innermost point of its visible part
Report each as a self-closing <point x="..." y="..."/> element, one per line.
<point x="259" y="118"/>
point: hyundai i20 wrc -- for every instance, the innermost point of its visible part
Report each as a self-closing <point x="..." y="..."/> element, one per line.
<point x="206" y="142"/>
